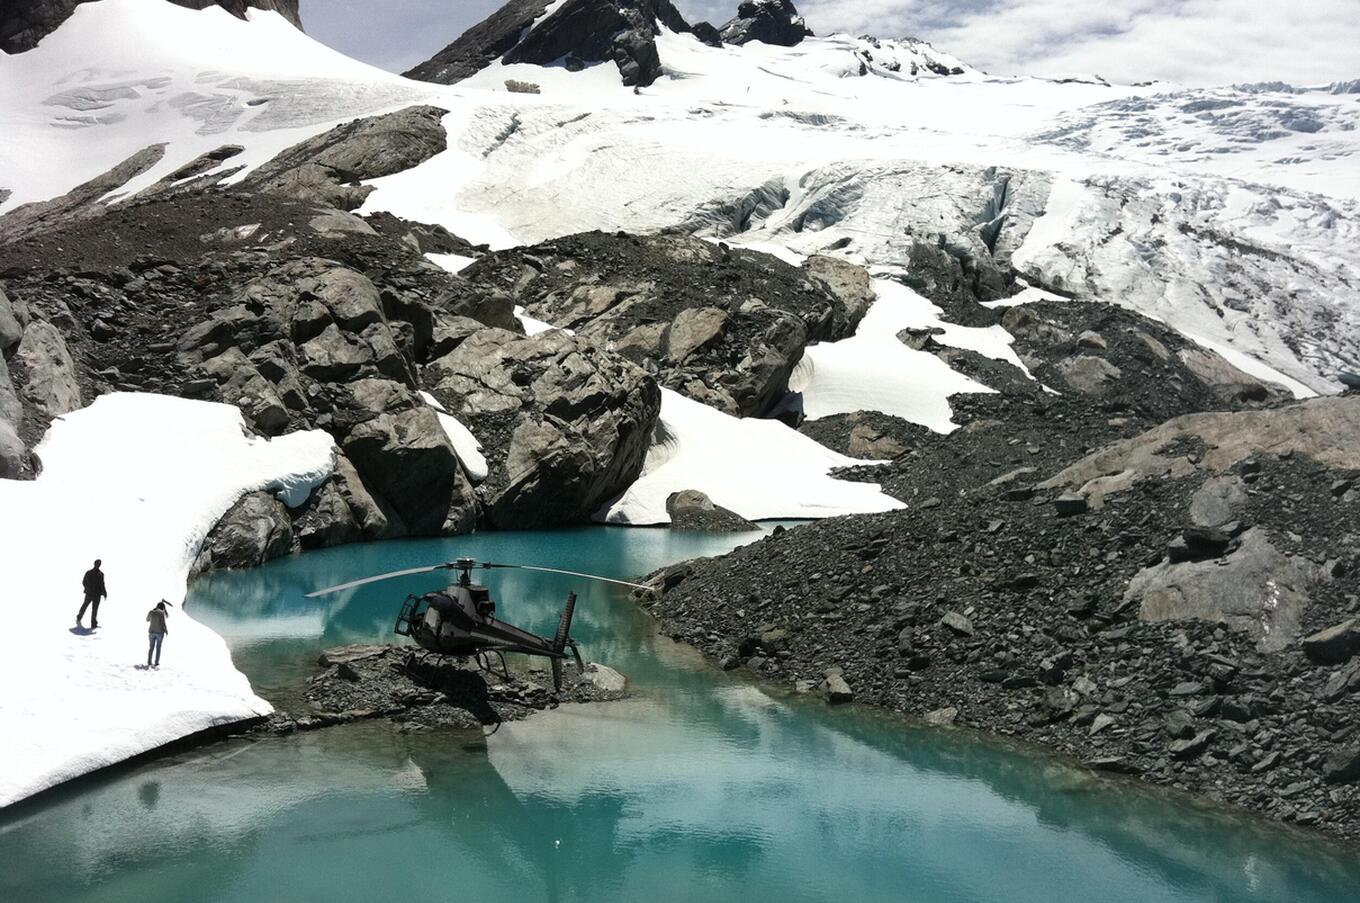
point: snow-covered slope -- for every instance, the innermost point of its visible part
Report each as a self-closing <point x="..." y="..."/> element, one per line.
<point x="120" y="75"/>
<point x="1162" y="192"/>
<point x="138" y="481"/>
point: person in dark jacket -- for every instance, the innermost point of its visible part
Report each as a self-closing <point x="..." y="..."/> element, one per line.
<point x="156" y="631"/>
<point x="94" y="592"/>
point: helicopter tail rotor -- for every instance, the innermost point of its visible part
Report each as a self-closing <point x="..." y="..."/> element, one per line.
<point x="562" y="639"/>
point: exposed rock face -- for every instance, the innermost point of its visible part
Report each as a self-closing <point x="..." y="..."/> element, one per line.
<point x="577" y="33"/>
<point x="1325" y="429"/>
<point x="80" y="202"/>
<point x="691" y="509"/>
<point x="12" y="450"/>
<point x="254" y="530"/>
<point x="329" y="167"/>
<point x="565" y="424"/>
<point x="481" y="44"/>
<point x="11" y="330"/>
<point x="50" y="388"/>
<point x="767" y="21"/>
<point x="23" y="23"/>
<point x="723" y="326"/>
<point x="1258" y="589"/>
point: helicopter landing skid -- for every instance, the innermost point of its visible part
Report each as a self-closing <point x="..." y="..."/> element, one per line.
<point x="484" y="664"/>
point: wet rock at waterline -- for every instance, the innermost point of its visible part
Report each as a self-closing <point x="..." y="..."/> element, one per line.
<point x="691" y="509"/>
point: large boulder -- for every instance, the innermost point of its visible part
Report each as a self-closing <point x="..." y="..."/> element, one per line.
<point x="1258" y="589"/>
<point x="723" y="326"/>
<point x="254" y="530"/>
<point x="406" y="459"/>
<point x="50" y="386"/>
<point x="768" y="21"/>
<point x="565" y="424"/>
<point x="11" y="330"/>
<point x="12" y="450"/>
<point x="690" y="509"/>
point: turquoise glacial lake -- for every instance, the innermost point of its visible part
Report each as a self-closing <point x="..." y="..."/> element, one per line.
<point x="703" y="787"/>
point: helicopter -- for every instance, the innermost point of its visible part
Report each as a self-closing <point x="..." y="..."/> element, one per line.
<point x="459" y="621"/>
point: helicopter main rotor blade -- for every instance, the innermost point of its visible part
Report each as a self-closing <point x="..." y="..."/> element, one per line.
<point x="530" y="567"/>
<point x="388" y="576"/>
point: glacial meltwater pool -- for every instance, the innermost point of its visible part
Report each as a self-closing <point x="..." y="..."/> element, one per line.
<point x="703" y="787"/>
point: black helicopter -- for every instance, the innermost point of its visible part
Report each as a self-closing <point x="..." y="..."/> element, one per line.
<point x="460" y="621"/>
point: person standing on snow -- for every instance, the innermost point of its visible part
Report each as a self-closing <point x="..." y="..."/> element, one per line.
<point x="93" y="582"/>
<point x="156" y="631"/>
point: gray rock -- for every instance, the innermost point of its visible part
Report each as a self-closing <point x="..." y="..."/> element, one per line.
<point x="1229" y="383"/>
<point x="1179" y="724"/>
<point x="604" y="678"/>
<point x="11" y="330"/>
<point x="564" y="424"/>
<point x="691" y="509"/>
<point x="692" y="329"/>
<point x="1259" y="590"/>
<point x="836" y="689"/>
<point x="1335" y="644"/>
<point x="328" y="168"/>
<point x="1088" y="374"/>
<point x="407" y="460"/>
<point x="254" y="530"/>
<point x="51" y="388"/>
<point x="848" y="282"/>
<point x="1342" y="766"/>
<point x="1071" y="503"/>
<point x="1218" y="501"/>
<point x="957" y="623"/>
<point x="944" y="717"/>
<point x="1189" y="748"/>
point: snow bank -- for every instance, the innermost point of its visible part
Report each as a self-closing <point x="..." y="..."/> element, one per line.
<point x="465" y="445"/>
<point x="137" y="480"/>
<point x="873" y="371"/>
<point x="760" y="469"/>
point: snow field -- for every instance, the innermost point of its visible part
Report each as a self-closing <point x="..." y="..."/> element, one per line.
<point x="776" y="472"/>
<point x="137" y="480"/>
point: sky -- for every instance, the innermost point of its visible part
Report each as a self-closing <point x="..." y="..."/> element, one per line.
<point x="1193" y="42"/>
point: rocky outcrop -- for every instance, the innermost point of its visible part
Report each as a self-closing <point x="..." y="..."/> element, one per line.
<point x="329" y="168"/>
<point x="23" y="23"/>
<point x="254" y="530"/>
<point x="565" y="424"/>
<point x="1256" y="589"/>
<point x="723" y="326"/>
<point x="1326" y="430"/>
<point x="50" y="384"/>
<point x="576" y="34"/>
<point x="481" y="44"/>
<point x="82" y="202"/>
<point x="768" y="21"/>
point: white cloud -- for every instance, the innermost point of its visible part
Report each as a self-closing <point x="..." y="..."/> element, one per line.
<point x="1188" y="41"/>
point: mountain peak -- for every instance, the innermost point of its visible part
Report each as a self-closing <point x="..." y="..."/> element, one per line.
<point x="574" y="32"/>
<point x="768" y="21"/>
